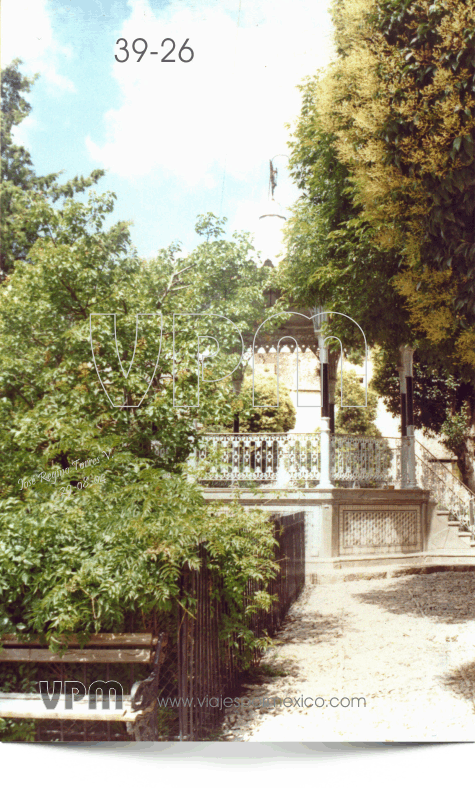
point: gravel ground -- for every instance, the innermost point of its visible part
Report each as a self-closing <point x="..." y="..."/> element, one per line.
<point x="406" y="645"/>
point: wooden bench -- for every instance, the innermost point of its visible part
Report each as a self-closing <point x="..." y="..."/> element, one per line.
<point x="137" y="710"/>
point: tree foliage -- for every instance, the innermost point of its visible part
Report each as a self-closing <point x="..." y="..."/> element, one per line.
<point x="332" y="257"/>
<point x="356" y="421"/>
<point x="82" y="563"/>
<point x="400" y="100"/>
<point x="25" y="197"/>
<point x="267" y="419"/>
<point x="444" y="404"/>
<point x="82" y="543"/>
<point x="383" y="151"/>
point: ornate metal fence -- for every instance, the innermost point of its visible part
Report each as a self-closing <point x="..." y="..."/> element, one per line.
<point x="445" y="488"/>
<point x="365" y="461"/>
<point x="291" y="459"/>
<point x="279" y="458"/>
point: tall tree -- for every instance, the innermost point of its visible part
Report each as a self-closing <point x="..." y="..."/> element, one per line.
<point x="332" y="257"/>
<point x="53" y="405"/>
<point x="397" y="111"/>
<point x="25" y="197"/>
<point x="400" y="99"/>
<point x="64" y="266"/>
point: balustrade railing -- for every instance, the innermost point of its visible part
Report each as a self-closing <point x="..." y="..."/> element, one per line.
<point x="363" y="460"/>
<point x="293" y="459"/>
<point x="446" y="489"/>
<point x="290" y="459"/>
<point x="280" y="458"/>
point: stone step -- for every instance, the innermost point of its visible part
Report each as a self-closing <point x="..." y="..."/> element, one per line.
<point x="337" y="565"/>
<point x="464" y="538"/>
<point x="426" y="564"/>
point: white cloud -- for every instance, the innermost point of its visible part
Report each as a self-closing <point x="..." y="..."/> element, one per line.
<point x="21" y="134"/>
<point x="27" y="34"/>
<point x="227" y="108"/>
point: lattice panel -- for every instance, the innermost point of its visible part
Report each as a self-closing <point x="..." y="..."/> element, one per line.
<point x="382" y="529"/>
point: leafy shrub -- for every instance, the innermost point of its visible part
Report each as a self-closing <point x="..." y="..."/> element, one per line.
<point x="81" y="563"/>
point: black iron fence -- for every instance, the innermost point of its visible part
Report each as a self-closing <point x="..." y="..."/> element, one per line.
<point x="209" y="663"/>
<point x="204" y="658"/>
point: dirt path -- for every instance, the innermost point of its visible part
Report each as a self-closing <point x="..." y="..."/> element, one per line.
<point x="405" y="645"/>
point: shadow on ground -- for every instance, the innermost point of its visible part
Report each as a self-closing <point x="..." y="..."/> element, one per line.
<point x="301" y="626"/>
<point x="462" y="682"/>
<point x="447" y="597"/>
<point x="309" y="627"/>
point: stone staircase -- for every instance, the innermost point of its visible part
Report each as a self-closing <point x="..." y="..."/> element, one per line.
<point x="448" y="534"/>
<point x="453" y="527"/>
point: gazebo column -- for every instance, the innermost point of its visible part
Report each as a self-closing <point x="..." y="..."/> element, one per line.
<point x="402" y="408"/>
<point x="237" y="380"/>
<point x="408" y="468"/>
<point x="237" y="385"/>
<point x="333" y="359"/>
<point x="325" y="441"/>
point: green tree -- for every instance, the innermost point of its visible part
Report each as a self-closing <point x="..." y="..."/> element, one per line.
<point x="356" y="421"/>
<point x="25" y="197"/>
<point x="400" y="100"/>
<point x="54" y="410"/>
<point x="261" y="420"/>
<point x="267" y="420"/>
<point x="94" y="523"/>
<point x="383" y="152"/>
<point x="332" y="257"/>
<point x="53" y="406"/>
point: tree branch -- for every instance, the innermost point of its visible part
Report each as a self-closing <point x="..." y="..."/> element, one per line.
<point x="73" y="294"/>
<point x="173" y="282"/>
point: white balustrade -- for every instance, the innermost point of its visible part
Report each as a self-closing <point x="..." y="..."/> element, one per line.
<point x="289" y="459"/>
<point x="364" y="460"/>
<point x="279" y="458"/>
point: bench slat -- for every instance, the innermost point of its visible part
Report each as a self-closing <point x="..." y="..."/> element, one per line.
<point x="98" y="639"/>
<point x="76" y="656"/>
<point x="15" y="705"/>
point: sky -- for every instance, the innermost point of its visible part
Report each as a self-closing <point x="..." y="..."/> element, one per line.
<point x="177" y="139"/>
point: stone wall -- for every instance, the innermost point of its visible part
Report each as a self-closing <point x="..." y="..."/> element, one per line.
<point x="345" y="524"/>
